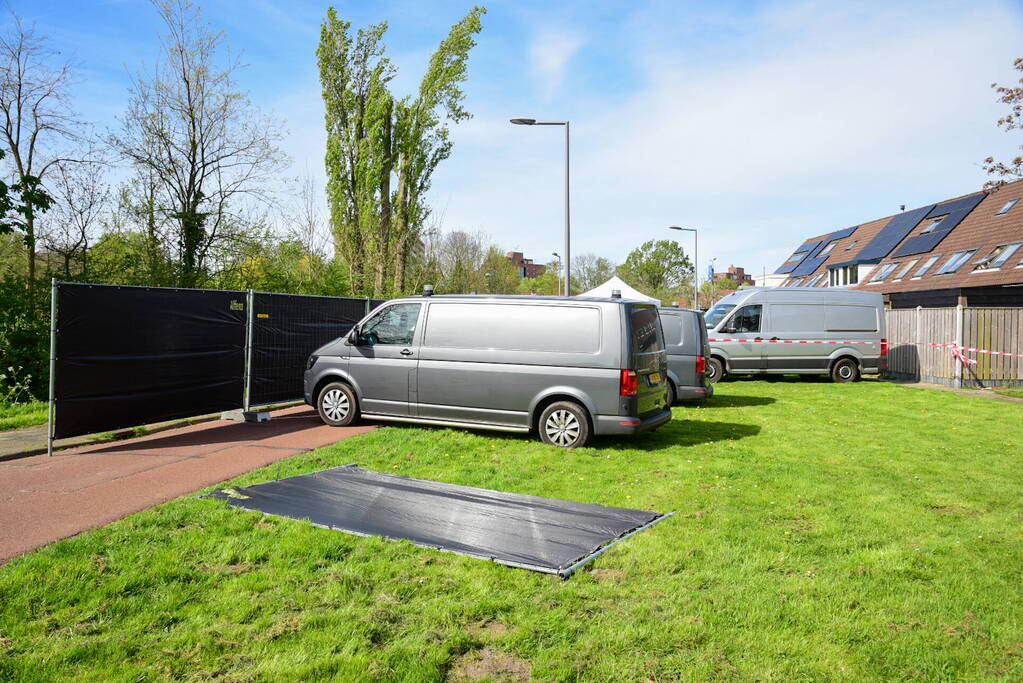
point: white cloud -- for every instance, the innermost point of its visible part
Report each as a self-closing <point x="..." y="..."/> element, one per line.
<point x="549" y="53"/>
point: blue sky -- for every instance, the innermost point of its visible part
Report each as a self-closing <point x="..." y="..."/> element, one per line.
<point x="759" y="123"/>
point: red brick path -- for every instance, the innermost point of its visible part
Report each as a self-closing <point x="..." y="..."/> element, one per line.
<point x="44" y="499"/>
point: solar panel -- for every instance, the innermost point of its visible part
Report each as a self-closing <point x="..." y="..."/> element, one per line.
<point x="956" y="211"/>
<point x="814" y="261"/>
<point x="893" y="233"/>
<point x="803" y="249"/>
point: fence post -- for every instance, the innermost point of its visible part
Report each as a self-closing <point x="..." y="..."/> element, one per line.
<point x="247" y="394"/>
<point x="959" y="343"/>
<point x="50" y="423"/>
<point x="367" y="306"/>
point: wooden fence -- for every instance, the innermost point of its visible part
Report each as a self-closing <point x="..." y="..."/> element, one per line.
<point x="995" y="329"/>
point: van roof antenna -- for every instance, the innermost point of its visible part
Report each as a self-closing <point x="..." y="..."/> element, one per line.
<point x="616" y="294"/>
<point x="428" y="290"/>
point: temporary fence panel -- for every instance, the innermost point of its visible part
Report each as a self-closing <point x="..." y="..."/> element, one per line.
<point x="544" y="534"/>
<point x="920" y="345"/>
<point x="286" y="328"/>
<point x="126" y="356"/>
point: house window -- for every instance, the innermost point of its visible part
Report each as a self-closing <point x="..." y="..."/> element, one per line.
<point x="1008" y="205"/>
<point x="852" y="275"/>
<point x="795" y="257"/>
<point x="955" y="261"/>
<point x="926" y="266"/>
<point x="794" y="282"/>
<point x="833" y="277"/>
<point x="852" y="244"/>
<point x="884" y="271"/>
<point x="998" y="257"/>
<point x="814" y="282"/>
<point x="905" y="269"/>
<point x="932" y="225"/>
<point x="827" y="250"/>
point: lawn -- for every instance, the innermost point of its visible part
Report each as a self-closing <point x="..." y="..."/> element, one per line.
<point x="14" y="416"/>
<point x="862" y="532"/>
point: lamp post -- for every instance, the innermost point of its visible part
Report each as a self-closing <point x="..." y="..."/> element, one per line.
<point x="696" y="265"/>
<point x="558" y="257"/>
<point x="568" y="222"/>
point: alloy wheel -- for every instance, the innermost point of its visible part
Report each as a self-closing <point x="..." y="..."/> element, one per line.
<point x="562" y="428"/>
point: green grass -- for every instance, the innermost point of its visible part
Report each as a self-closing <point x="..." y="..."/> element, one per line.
<point x="22" y="415"/>
<point x="1015" y="392"/>
<point x="852" y="532"/>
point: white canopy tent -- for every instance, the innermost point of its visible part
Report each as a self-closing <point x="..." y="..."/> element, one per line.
<point x="622" y="286"/>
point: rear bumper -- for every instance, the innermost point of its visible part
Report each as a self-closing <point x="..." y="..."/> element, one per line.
<point x="623" y="424"/>
<point x="694" y="393"/>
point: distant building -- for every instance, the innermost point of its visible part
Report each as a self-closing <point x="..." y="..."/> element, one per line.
<point x="734" y="274"/>
<point x="966" y="250"/>
<point x="525" y="265"/>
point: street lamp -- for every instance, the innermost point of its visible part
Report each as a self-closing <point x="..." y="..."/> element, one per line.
<point x="696" y="265"/>
<point x="519" y="121"/>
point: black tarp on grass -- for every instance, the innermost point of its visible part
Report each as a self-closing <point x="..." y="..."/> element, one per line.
<point x="544" y="534"/>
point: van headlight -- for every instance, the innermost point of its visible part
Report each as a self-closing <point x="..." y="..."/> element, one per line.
<point x="311" y="362"/>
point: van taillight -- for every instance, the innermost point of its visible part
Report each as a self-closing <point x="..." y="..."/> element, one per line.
<point x="884" y="348"/>
<point x="628" y="387"/>
<point x="701" y="365"/>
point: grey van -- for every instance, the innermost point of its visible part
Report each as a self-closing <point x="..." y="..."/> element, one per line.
<point x="565" y="368"/>
<point x="784" y="330"/>
<point x="685" y="339"/>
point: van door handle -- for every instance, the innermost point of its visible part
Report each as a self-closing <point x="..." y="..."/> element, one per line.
<point x="406" y="352"/>
<point x="757" y="339"/>
<point x="774" y="338"/>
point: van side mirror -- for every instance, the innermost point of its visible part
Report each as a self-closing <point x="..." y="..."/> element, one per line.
<point x="354" y="337"/>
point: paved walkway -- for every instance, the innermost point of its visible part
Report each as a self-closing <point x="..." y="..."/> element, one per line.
<point x="44" y="499"/>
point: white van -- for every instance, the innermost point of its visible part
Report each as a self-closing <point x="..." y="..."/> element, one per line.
<point x="786" y="330"/>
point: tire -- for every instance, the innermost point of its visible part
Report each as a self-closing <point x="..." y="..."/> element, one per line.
<point x="564" y="424"/>
<point x="337" y="405"/>
<point x="845" y="370"/>
<point x="715" y="370"/>
<point x="672" y="394"/>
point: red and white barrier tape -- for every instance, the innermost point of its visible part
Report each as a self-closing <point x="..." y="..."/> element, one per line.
<point x="956" y="350"/>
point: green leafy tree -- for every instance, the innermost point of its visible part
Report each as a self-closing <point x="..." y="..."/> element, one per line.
<point x="382" y="150"/>
<point x="712" y="290"/>
<point x="547" y="282"/>
<point x="499" y="274"/>
<point x="658" y="268"/>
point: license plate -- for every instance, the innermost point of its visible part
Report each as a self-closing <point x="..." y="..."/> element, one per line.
<point x="655" y="378"/>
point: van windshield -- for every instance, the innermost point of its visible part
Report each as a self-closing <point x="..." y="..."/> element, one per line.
<point x="715" y="314"/>
<point x="646" y="330"/>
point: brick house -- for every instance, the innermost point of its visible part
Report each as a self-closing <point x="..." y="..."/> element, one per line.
<point x="526" y="266"/>
<point x="965" y="250"/>
<point x="735" y="274"/>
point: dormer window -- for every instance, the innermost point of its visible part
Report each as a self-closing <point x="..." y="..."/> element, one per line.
<point x="1008" y="205"/>
<point x="997" y="258"/>
<point x="932" y="225"/>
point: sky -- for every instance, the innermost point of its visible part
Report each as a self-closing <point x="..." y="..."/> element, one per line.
<point x="759" y="124"/>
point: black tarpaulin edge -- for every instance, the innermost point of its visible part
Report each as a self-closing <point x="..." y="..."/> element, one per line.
<point x="234" y="496"/>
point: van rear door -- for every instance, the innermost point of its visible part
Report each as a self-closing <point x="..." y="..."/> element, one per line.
<point x="648" y="361"/>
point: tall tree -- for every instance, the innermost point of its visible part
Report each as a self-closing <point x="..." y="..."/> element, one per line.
<point x="1007" y="171"/>
<point x="498" y="273"/>
<point x="200" y="138"/>
<point x="590" y="270"/>
<point x="658" y="268"/>
<point x="382" y="150"/>
<point x="80" y="193"/>
<point x="37" y="121"/>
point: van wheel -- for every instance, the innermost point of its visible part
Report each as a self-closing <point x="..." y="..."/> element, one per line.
<point x="564" y="424"/>
<point x="845" y="370"/>
<point x="337" y="405"/>
<point x="715" y="370"/>
<point x="672" y="394"/>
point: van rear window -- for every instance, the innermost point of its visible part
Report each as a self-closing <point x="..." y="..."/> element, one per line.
<point x="646" y="329"/>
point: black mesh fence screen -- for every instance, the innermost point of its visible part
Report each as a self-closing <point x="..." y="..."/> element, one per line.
<point x="128" y="356"/>
<point x="285" y="330"/>
<point x="135" y="355"/>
